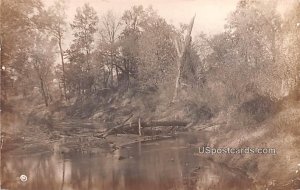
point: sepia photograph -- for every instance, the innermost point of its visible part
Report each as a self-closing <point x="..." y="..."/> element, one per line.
<point x="150" y="95"/>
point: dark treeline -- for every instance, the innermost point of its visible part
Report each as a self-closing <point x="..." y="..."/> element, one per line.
<point x="257" y="55"/>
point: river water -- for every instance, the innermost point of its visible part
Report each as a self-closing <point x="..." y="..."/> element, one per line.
<point x="170" y="164"/>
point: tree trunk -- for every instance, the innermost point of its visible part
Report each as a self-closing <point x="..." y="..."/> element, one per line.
<point x="140" y="127"/>
<point x="117" y="73"/>
<point x="63" y="67"/>
<point x="177" y="80"/>
<point x="181" y="50"/>
<point x="49" y="96"/>
<point x="111" y="76"/>
<point x="43" y="92"/>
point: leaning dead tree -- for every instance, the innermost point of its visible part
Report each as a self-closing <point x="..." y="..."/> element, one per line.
<point x="182" y="48"/>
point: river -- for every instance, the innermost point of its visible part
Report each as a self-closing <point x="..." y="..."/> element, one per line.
<point x="170" y="164"/>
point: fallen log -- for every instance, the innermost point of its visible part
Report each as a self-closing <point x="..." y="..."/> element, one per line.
<point x="159" y="123"/>
<point x="139" y="125"/>
<point x="135" y="126"/>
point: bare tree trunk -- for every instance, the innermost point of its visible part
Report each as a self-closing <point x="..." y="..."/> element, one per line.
<point x="126" y="73"/>
<point x="111" y="76"/>
<point x="111" y="65"/>
<point x="117" y="73"/>
<point x="49" y="96"/>
<point x="177" y="80"/>
<point x="43" y="92"/>
<point x="181" y="50"/>
<point x="140" y="127"/>
<point x="63" y="67"/>
<point x="104" y="79"/>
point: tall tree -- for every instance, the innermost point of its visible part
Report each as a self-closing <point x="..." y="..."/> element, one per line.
<point x="84" y="27"/>
<point x="42" y="59"/>
<point x="157" y="53"/>
<point x="110" y="28"/>
<point x="18" y="20"/>
<point x="255" y="31"/>
<point x="148" y="53"/>
<point x="54" y="21"/>
<point x="132" y="20"/>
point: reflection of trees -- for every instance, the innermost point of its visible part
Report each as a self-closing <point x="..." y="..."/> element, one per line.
<point x="78" y="173"/>
<point x="90" y="176"/>
<point x="40" y="170"/>
<point x="159" y="167"/>
<point x="179" y="169"/>
<point x="45" y="173"/>
<point x="63" y="173"/>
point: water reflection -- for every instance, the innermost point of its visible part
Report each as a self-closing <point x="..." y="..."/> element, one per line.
<point x="162" y="165"/>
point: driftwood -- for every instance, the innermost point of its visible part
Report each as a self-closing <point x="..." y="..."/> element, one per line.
<point x="138" y="125"/>
<point x="157" y="124"/>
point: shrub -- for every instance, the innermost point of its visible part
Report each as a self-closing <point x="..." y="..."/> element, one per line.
<point x="259" y="108"/>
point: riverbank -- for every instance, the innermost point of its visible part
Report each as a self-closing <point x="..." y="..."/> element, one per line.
<point x="39" y="130"/>
<point x="280" y="133"/>
<point x="67" y="139"/>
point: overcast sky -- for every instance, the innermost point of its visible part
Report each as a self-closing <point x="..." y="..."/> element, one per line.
<point x="210" y="17"/>
<point x="211" y="14"/>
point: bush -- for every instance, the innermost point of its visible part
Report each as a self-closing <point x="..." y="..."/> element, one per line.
<point x="259" y="108"/>
<point x="198" y="112"/>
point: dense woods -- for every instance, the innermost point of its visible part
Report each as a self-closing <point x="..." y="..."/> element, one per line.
<point x="256" y="55"/>
<point x="258" y="50"/>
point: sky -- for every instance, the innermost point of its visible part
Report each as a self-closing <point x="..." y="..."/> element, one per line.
<point x="210" y="14"/>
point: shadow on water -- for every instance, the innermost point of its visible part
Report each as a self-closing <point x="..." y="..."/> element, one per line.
<point x="162" y="165"/>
